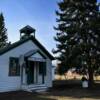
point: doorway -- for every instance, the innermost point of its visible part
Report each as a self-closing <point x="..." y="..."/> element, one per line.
<point x="30" y="73"/>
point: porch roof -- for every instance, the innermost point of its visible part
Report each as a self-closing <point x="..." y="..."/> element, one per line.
<point x="32" y="52"/>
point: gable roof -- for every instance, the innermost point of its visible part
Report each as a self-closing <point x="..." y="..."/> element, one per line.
<point x="16" y="44"/>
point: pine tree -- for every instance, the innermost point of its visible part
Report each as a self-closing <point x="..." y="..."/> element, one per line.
<point x="78" y="36"/>
<point x="3" y="32"/>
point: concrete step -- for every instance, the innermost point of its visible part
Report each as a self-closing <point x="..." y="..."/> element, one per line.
<point x="37" y="88"/>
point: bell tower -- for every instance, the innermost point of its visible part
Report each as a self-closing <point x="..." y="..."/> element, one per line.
<point x="26" y="32"/>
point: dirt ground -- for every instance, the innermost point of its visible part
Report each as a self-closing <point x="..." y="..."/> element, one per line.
<point x="62" y="90"/>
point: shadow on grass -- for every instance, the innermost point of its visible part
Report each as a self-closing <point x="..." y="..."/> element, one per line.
<point x="61" y="89"/>
<point x="73" y="89"/>
<point x="21" y="95"/>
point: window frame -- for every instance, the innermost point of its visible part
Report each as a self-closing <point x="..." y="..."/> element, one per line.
<point x="11" y="66"/>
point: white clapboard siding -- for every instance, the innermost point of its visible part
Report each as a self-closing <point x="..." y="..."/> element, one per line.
<point x="9" y="83"/>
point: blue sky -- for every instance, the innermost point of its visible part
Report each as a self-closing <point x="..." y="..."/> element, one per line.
<point x="39" y="14"/>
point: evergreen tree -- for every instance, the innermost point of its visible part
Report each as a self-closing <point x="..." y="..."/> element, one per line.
<point x="3" y="32"/>
<point x="78" y="36"/>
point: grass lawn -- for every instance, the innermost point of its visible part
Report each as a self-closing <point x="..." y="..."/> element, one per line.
<point x="62" y="90"/>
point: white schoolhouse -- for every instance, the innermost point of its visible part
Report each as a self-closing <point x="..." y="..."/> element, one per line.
<point x="25" y="64"/>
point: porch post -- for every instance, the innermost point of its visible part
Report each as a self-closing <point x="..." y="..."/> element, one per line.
<point x="26" y="69"/>
<point x="43" y="72"/>
<point x="21" y="64"/>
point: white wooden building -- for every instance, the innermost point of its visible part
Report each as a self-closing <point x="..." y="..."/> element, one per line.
<point x="25" y="64"/>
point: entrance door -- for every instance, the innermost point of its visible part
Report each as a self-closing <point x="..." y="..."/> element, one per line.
<point x="36" y="72"/>
<point x="30" y="73"/>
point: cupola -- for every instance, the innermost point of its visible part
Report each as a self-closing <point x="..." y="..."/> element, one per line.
<point x="26" y="32"/>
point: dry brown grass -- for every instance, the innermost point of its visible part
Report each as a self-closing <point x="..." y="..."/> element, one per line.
<point x="73" y="76"/>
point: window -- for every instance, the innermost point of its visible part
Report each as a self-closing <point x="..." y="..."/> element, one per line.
<point x="14" y="68"/>
<point x="42" y="68"/>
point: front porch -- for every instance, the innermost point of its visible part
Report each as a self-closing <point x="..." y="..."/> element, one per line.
<point x="34" y="73"/>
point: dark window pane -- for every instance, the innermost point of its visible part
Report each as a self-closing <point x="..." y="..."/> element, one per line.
<point x="14" y="68"/>
<point x="42" y="68"/>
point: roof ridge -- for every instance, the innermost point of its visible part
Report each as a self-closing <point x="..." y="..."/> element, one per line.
<point x="15" y="44"/>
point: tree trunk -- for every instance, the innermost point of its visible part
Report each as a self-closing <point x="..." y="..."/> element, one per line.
<point x="65" y="76"/>
<point x="90" y="75"/>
